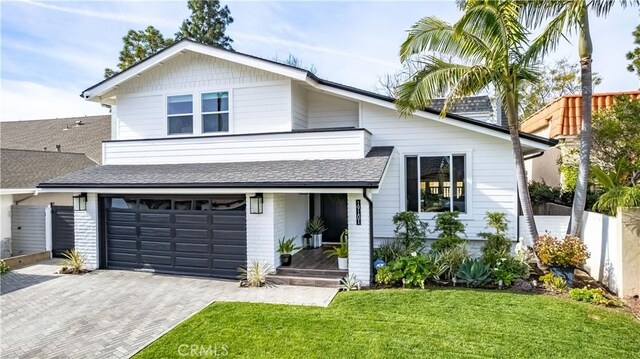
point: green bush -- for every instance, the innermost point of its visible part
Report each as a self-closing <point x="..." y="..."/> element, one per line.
<point x="389" y="251"/>
<point x="593" y="296"/>
<point x="450" y="228"/>
<point x="498" y="244"/>
<point x="509" y="269"/>
<point x="474" y="273"/>
<point x="384" y="275"/>
<point x="410" y="232"/>
<point x="556" y="283"/>
<point x="414" y="270"/>
<point x="451" y="259"/>
<point x="4" y="268"/>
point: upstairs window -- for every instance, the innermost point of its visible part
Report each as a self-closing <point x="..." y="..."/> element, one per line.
<point x="215" y="112"/>
<point x="180" y="114"/>
<point x="436" y="183"/>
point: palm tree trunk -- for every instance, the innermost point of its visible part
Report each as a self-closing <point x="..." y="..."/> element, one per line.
<point x="580" y="195"/>
<point x="521" y="176"/>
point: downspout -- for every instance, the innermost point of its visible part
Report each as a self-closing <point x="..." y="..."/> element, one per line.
<point x="364" y="194"/>
<point x="534" y="155"/>
<point x="529" y="157"/>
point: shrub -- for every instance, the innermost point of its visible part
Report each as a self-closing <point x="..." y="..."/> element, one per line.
<point x="451" y="259"/>
<point x="4" y="268"/>
<point x="72" y="263"/>
<point x="449" y="226"/>
<point x="414" y="270"/>
<point x="384" y="275"/>
<point x="593" y="296"/>
<point x="474" y="273"/>
<point x="507" y="269"/>
<point x="256" y="274"/>
<point x="556" y="283"/>
<point x="569" y="252"/>
<point x="389" y="251"/>
<point x="410" y="231"/>
<point x="497" y="244"/>
<point x="350" y="283"/>
<point x="287" y="246"/>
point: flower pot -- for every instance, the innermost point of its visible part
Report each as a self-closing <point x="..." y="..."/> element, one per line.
<point x="285" y="260"/>
<point x="343" y="263"/>
<point x="564" y="272"/>
<point x="317" y="240"/>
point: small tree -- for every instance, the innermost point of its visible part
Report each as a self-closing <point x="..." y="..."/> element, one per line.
<point x="137" y="45"/>
<point x="449" y="226"/>
<point x="634" y="55"/>
<point x="410" y="232"/>
<point x="497" y="244"/>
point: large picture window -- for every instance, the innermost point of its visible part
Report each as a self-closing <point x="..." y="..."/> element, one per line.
<point x="180" y="114"/>
<point x="436" y="183"/>
<point x="215" y="112"/>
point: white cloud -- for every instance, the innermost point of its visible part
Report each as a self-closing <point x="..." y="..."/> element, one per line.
<point x="22" y="100"/>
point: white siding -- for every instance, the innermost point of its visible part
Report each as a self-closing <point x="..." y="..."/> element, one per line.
<point x="279" y="228"/>
<point x="296" y="215"/>
<point x="359" y="248"/>
<point x="299" y="108"/>
<point x="260" y="233"/>
<point x="86" y="231"/>
<point x="326" y="111"/>
<point x="267" y="147"/>
<point x="6" y="200"/>
<point x="259" y="101"/>
<point x="490" y="167"/>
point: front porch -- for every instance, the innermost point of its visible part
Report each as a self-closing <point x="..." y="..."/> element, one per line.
<point x="311" y="267"/>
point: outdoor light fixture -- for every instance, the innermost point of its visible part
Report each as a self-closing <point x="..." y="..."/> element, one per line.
<point x="80" y="202"/>
<point x="255" y="203"/>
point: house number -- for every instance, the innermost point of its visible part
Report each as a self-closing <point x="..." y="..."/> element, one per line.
<point x="358" y="212"/>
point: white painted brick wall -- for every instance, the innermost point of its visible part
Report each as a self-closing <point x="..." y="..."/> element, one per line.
<point x="359" y="259"/>
<point x="86" y="231"/>
<point x="260" y="231"/>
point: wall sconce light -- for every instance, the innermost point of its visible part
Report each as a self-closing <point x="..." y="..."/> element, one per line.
<point x="80" y="202"/>
<point x="255" y="203"/>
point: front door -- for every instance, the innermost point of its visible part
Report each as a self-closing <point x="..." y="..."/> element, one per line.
<point x="334" y="213"/>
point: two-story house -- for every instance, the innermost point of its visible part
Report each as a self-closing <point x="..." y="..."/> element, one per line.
<point x="216" y="155"/>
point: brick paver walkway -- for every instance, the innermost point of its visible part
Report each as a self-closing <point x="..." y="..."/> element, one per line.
<point x="113" y="313"/>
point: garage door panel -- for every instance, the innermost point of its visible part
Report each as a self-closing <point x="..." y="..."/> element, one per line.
<point x="226" y="249"/>
<point x="123" y="257"/>
<point x="191" y="262"/>
<point x="193" y="247"/>
<point x="155" y="232"/>
<point x="228" y="264"/>
<point x="121" y="217"/>
<point x="202" y="219"/>
<point x="146" y="217"/>
<point x="155" y="259"/>
<point x="229" y="235"/>
<point x="121" y="230"/>
<point x="231" y="218"/>
<point x="155" y="246"/>
<point x="125" y="243"/>
<point x="192" y="233"/>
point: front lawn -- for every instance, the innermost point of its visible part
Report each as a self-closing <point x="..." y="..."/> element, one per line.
<point x="408" y="323"/>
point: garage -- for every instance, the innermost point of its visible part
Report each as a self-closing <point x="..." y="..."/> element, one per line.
<point x="182" y="235"/>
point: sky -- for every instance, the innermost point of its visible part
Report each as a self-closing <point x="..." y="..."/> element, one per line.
<point x="51" y="51"/>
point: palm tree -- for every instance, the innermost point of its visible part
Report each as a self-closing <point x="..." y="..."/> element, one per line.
<point x="568" y="16"/>
<point x="491" y="43"/>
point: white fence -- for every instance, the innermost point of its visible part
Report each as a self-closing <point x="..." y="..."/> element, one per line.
<point x="614" y="244"/>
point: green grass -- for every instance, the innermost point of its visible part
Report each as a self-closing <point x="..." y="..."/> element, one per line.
<point x="398" y="323"/>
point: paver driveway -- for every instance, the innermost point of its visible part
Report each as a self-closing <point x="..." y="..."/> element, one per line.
<point x="113" y="313"/>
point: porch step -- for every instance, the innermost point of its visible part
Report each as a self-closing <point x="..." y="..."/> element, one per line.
<point x="312" y="273"/>
<point x="305" y="281"/>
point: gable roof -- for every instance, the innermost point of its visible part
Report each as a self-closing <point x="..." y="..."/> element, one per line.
<point x="104" y="89"/>
<point x="38" y="134"/>
<point x="563" y="116"/>
<point x="25" y="169"/>
<point x="345" y="173"/>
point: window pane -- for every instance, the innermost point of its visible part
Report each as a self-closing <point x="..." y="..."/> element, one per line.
<point x="202" y="205"/>
<point x="435" y="190"/>
<point x="215" y="101"/>
<point x="155" y="204"/>
<point x="177" y="105"/>
<point x="182" y="205"/>
<point x="411" y="177"/>
<point x="227" y="204"/>
<point x="180" y="124"/>
<point x="218" y="122"/>
<point x="459" y="192"/>
<point x="125" y="203"/>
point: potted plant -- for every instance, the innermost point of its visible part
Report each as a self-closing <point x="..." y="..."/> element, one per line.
<point x="315" y="227"/>
<point x="562" y="256"/>
<point x="341" y="251"/>
<point x="285" y="248"/>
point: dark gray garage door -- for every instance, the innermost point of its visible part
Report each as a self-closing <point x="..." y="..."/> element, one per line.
<point x="201" y="236"/>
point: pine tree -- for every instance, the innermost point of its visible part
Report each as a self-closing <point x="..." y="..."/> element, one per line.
<point x="207" y="23"/>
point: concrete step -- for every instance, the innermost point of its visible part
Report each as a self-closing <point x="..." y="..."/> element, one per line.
<point x="305" y="281"/>
<point x="315" y="273"/>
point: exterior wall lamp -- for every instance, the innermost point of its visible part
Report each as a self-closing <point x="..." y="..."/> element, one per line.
<point x="80" y="202"/>
<point x="256" y="203"/>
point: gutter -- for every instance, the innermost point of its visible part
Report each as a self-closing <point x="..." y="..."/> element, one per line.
<point x="534" y="155"/>
<point x="35" y="193"/>
<point x="371" y="269"/>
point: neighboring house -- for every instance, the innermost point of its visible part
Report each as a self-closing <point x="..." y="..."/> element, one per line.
<point x="216" y="155"/>
<point x="561" y="120"/>
<point x="37" y="151"/>
<point x="476" y="107"/>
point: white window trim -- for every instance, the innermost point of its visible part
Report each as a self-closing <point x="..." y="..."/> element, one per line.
<point x="166" y="114"/>
<point x="427" y="216"/>
<point x="229" y="111"/>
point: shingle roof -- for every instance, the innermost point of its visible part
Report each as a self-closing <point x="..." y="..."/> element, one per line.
<point x="465" y="104"/>
<point x="360" y="172"/>
<point x="38" y="134"/>
<point x="26" y="168"/>
<point x="563" y="116"/>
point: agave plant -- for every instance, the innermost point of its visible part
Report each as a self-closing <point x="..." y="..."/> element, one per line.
<point x="350" y="283"/>
<point x="73" y="262"/>
<point x="474" y="273"/>
<point x="256" y="274"/>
